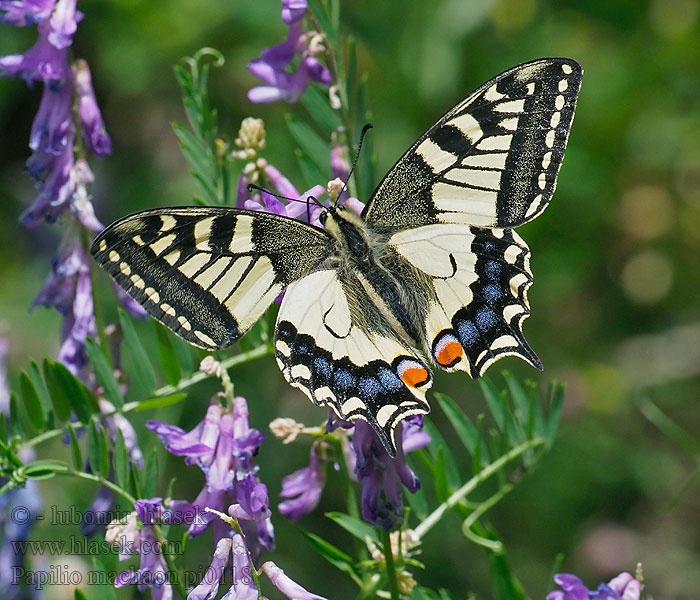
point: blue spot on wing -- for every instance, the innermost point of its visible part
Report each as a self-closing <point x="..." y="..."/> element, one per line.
<point x="491" y="293"/>
<point x="492" y="270"/>
<point x="369" y="387"/>
<point x="343" y="379"/>
<point x="322" y="366"/>
<point x="485" y="318"/>
<point x="467" y="332"/>
<point x="389" y="379"/>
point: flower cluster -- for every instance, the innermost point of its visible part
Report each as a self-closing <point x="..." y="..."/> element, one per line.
<point x="271" y="67"/>
<point x="62" y="174"/>
<point x="306" y="206"/>
<point x="137" y="534"/>
<point x="622" y="587"/>
<point x="382" y="477"/>
<point x="223" y="446"/>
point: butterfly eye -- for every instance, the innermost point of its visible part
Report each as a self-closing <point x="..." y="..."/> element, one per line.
<point x="322" y="217"/>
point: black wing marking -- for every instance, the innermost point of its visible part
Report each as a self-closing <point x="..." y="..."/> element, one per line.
<point x="491" y="161"/>
<point x="208" y="273"/>
<point x="478" y="303"/>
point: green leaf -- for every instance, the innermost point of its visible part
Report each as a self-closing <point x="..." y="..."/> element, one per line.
<point x="105" y="581"/>
<point x="134" y="484"/>
<point x="417" y="502"/>
<point x="76" y="453"/>
<point x="141" y="370"/>
<point x="315" y="101"/>
<point x="495" y="402"/>
<point x="18" y="418"/>
<point x="437" y="444"/>
<point x="32" y="404"/>
<point x="150" y="475"/>
<point x="162" y="401"/>
<point x="440" y="476"/>
<point x="460" y="422"/>
<point x="79" y="595"/>
<point x="59" y="395"/>
<point x="333" y="555"/>
<point x="521" y="402"/>
<point x="324" y="20"/>
<point x="354" y="526"/>
<point x="44" y="397"/>
<point x="71" y="388"/>
<point x="44" y="469"/>
<point x="104" y="373"/>
<point x="168" y="356"/>
<point x="121" y="460"/>
<point x="311" y="144"/>
<point x="98" y="456"/>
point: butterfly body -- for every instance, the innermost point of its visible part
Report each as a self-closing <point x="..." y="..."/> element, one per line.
<point x="431" y="275"/>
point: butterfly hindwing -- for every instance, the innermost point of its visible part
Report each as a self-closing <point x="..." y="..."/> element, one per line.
<point x="208" y="273"/>
<point x="491" y="161"/>
<point x="478" y="302"/>
<point x="333" y="344"/>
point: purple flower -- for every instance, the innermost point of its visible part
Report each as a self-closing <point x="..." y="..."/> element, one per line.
<point x="622" y="587"/>
<point x="194" y="444"/>
<point x="152" y="570"/>
<point x="95" y="515"/>
<point x="209" y="586"/>
<point x="52" y="127"/>
<point x="243" y="587"/>
<point x="68" y="289"/>
<point x="89" y="113"/>
<point x="64" y="22"/>
<point x="280" y="84"/>
<point x="224" y="445"/>
<point x="290" y="588"/>
<point x="303" y="487"/>
<point x="382" y="476"/>
<point x="43" y="61"/>
<point x="25" y="12"/>
<point x="293" y="10"/>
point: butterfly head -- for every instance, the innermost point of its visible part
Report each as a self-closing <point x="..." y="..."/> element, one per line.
<point x="348" y="229"/>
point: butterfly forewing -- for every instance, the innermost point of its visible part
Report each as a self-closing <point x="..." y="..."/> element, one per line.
<point x="208" y="273"/>
<point x="491" y="161"/>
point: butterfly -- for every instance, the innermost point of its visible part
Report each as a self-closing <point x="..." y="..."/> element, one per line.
<point x="430" y="275"/>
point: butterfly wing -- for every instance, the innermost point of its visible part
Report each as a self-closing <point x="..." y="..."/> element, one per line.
<point x="478" y="301"/>
<point x="491" y="161"/>
<point x="334" y="344"/>
<point x="208" y="273"/>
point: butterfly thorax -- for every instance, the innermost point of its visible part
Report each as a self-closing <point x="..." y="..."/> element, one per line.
<point x="364" y="258"/>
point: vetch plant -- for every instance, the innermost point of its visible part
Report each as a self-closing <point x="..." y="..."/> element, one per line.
<point x="393" y="495"/>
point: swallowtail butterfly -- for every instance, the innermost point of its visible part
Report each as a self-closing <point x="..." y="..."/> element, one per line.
<point x="431" y="274"/>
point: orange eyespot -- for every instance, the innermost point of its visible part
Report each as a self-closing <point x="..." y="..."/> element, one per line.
<point x="413" y="373"/>
<point x="447" y="350"/>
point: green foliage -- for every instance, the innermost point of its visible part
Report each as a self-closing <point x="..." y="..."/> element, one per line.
<point x="206" y="153"/>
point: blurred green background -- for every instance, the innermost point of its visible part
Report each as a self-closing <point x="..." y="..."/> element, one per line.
<point x="615" y="300"/>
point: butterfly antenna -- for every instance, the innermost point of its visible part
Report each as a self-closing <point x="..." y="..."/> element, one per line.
<point x="365" y="129"/>
<point x="252" y="186"/>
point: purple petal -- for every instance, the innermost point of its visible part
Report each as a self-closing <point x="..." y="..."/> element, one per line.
<point x="242" y="194"/>
<point x="304" y="487"/>
<point x="265" y="93"/>
<point x="25" y="12"/>
<point x="283" y="186"/>
<point x="243" y="587"/>
<point x="220" y="472"/>
<point x="51" y="129"/>
<point x="43" y="61"/>
<point x="179" y="442"/>
<point x="209" y="586"/>
<point x="315" y="71"/>
<point x="89" y="113"/>
<point x="280" y="55"/>
<point x="64" y="22"/>
<point x="286" y="585"/>
<point x="293" y="10"/>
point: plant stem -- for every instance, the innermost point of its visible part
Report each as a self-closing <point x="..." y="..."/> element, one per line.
<point x="390" y="567"/>
<point x="433" y="518"/>
<point x="159" y="393"/>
